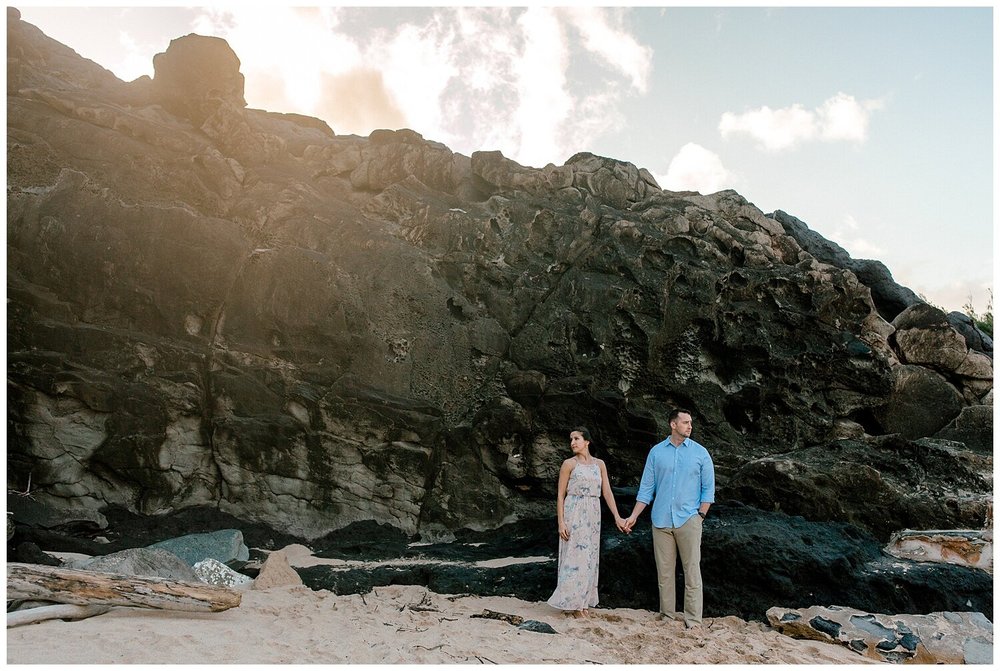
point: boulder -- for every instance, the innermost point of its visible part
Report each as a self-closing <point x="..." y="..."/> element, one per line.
<point x="214" y="572"/>
<point x="276" y="572"/>
<point x="195" y="75"/>
<point x="974" y="336"/>
<point x="155" y="562"/>
<point x="29" y="553"/>
<point x="973" y="427"/>
<point x="935" y="638"/>
<point x="223" y="546"/>
<point x="973" y="548"/>
<point x="879" y="485"/>
<point x="924" y="336"/>
<point x="922" y="402"/>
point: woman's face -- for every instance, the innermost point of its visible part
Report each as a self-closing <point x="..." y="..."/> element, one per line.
<point x="577" y="443"/>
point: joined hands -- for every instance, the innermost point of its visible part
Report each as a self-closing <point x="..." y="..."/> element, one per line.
<point x="625" y="524"/>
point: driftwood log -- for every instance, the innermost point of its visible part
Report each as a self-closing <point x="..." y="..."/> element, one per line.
<point x="89" y="588"/>
<point x="58" y="611"/>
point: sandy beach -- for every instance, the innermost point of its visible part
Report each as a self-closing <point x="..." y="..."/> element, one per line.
<point x="401" y="624"/>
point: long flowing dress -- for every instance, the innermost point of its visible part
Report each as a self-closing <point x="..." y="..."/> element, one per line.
<point x="580" y="555"/>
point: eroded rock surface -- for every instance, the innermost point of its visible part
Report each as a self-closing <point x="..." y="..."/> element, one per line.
<point x="216" y="306"/>
<point x="936" y="638"/>
<point x="964" y="547"/>
<point x="881" y="485"/>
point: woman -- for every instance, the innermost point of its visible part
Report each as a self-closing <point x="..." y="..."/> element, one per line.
<point x="582" y="480"/>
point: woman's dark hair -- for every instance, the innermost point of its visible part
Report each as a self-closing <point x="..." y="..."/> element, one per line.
<point x="585" y="432"/>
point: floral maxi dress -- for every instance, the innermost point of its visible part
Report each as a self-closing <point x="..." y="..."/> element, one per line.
<point x="580" y="555"/>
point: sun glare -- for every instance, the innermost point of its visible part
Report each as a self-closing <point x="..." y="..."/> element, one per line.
<point x="289" y="50"/>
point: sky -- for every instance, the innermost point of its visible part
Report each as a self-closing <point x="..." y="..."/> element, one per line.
<point x="873" y="125"/>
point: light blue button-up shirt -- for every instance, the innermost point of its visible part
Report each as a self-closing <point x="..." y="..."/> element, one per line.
<point x="677" y="479"/>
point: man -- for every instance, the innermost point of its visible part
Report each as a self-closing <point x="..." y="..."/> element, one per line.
<point x="679" y="478"/>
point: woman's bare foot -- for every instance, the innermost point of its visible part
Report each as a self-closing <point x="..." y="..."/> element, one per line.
<point x="585" y="612"/>
<point x="579" y="613"/>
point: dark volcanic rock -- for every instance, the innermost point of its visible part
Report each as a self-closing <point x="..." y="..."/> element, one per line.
<point x="889" y="297"/>
<point x="921" y="403"/>
<point x="211" y="306"/>
<point x="974" y="338"/>
<point x="362" y="540"/>
<point x="880" y="485"/>
<point x="124" y="529"/>
<point x="751" y="560"/>
<point x="973" y="428"/>
<point x="532" y="582"/>
<point x="29" y="553"/>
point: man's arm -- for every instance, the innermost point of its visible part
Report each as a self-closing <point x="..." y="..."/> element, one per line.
<point x="647" y="490"/>
<point x="707" y="485"/>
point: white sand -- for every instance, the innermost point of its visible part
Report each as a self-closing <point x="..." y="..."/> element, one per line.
<point x="401" y="624"/>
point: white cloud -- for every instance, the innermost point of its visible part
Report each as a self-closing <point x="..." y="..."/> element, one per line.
<point x="774" y="129"/>
<point x="695" y="168"/>
<point x="471" y="77"/>
<point x="136" y="61"/>
<point x="613" y="43"/>
<point x="417" y="65"/>
<point x="840" y="118"/>
<point x="544" y="102"/>
<point x="844" y="118"/>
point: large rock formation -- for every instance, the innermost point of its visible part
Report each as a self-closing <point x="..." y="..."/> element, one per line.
<point x="210" y="305"/>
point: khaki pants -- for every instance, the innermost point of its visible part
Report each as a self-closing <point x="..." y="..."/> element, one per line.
<point x="686" y="542"/>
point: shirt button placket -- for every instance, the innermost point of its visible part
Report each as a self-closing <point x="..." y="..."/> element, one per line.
<point x="673" y="490"/>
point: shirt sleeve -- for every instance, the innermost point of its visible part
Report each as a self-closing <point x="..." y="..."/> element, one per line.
<point x="647" y="486"/>
<point x="707" y="479"/>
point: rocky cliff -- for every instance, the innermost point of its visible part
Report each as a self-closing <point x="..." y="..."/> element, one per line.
<point x="211" y="305"/>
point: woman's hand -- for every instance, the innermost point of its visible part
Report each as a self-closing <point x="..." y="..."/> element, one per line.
<point x="620" y="523"/>
<point x="563" y="531"/>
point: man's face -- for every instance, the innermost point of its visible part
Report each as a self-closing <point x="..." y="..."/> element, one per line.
<point x="681" y="426"/>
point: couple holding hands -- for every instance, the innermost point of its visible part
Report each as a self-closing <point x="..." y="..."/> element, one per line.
<point x="679" y="481"/>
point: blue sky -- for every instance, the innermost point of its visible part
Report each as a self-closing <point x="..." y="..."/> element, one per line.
<point x="872" y="125"/>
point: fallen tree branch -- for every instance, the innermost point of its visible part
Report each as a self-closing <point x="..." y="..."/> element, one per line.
<point x="75" y="586"/>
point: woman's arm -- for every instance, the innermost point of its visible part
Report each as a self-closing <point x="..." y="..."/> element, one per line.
<point x="609" y="496"/>
<point x="564" y="472"/>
